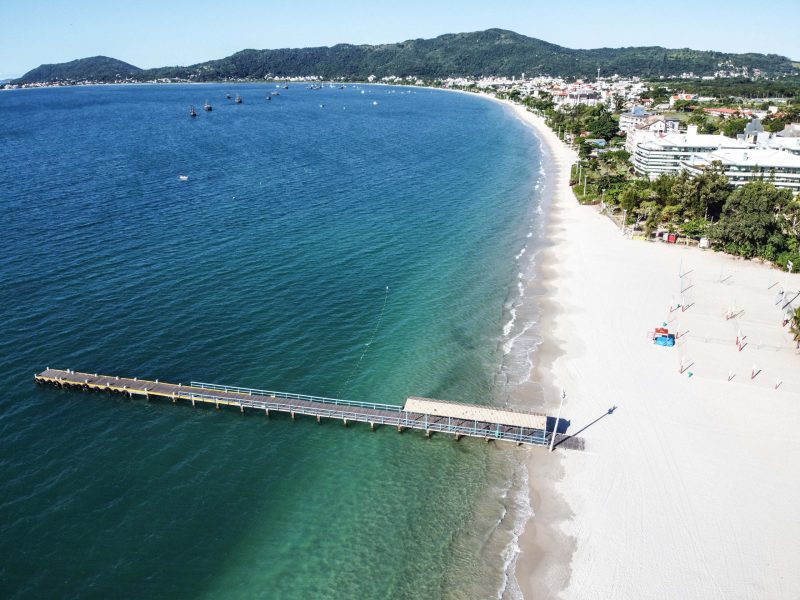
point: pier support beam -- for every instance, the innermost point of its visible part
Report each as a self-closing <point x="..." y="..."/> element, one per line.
<point x="241" y="406"/>
<point x="345" y="422"/>
<point x="457" y="436"/>
<point x="372" y="426"/>
<point x="319" y="419"/>
<point x="266" y="412"/>
<point x="399" y="429"/>
<point x="427" y="433"/>
<point x="292" y="413"/>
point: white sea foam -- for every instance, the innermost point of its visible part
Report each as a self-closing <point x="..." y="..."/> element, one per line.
<point x="508" y="345"/>
<point x="522" y="510"/>
<point x="510" y="323"/>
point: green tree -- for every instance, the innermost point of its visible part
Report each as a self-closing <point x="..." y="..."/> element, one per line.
<point x="665" y="189"/>
<point x="649" y="212"/>
<point x="794" y="326"/>
<point x="750" y="224"/>
<point x="681" y="105"/>
<point x="733" y="127"/>
<point x="603" y="125"/>
<point x="703" y="196"/>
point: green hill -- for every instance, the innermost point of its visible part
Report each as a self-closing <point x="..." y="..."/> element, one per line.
<point x="95" y="68"/>
<point x="490" y="52"/>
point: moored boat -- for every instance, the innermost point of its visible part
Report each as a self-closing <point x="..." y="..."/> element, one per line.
<point x="207" y="107"/>
<point x="192" y="111"/>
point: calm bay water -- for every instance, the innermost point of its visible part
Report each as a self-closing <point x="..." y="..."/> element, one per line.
<point x="268" y="268"/>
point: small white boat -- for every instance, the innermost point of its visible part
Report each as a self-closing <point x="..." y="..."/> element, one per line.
<point x="183" y="177"/>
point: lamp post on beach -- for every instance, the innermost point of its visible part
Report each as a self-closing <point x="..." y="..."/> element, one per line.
<point x="558" y="417"/>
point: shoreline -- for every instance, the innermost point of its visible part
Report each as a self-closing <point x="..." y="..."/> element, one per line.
<point x="668" y="498"/>
<point x="543" y="564"/>
<point x="541" y="567"/>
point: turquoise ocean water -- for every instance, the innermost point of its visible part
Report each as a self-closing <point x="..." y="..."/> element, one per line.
<point x="268" y="268"/>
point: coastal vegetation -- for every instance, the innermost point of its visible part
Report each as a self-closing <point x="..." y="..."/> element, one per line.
<point x="754" y="220"/>
<point x="494" y="51"/>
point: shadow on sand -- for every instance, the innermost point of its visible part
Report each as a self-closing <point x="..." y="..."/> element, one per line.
<point x="610" y="411"/>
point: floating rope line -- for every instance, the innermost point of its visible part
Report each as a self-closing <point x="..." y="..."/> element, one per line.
<point x="366" y="346"/>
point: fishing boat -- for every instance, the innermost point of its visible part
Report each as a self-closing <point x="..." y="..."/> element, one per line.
<point x="238" y="99"/>
<point x="192" y="111"/>
<point x="207" y="107"/>
<point x="269" y="97"/>
<point x="228" y="96"/>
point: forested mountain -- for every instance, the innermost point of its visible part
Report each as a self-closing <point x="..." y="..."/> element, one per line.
<point x="490" y="52"/>
<point x="95" y="68"/>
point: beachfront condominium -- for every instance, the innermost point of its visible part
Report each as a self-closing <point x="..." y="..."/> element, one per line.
<point x="658" y="154"/>
<point x="779" y="167"/>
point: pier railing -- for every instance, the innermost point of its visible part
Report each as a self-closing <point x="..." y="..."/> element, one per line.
<point x="293" y="396"/>
<point x="405" y="419"/>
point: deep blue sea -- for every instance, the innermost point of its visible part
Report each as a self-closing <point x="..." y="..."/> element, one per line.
<point x="361" y="243"/>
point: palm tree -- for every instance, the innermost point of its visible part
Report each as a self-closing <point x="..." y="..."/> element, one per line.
<point x="794" y="326"/>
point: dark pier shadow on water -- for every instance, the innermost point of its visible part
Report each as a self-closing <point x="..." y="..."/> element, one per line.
<point x="610" y="411"/>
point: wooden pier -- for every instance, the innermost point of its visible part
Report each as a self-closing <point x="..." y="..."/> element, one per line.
<point x="430" y="416"/>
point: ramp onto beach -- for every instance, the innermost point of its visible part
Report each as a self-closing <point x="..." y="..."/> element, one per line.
<point x="425" y="414"/>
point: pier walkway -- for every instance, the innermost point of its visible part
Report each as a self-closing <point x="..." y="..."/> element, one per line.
<point x="418" y="413"/>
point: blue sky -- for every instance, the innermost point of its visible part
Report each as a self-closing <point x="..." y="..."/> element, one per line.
<point x="149" y="33"/>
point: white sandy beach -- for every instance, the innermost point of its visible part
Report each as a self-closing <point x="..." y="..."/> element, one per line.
<point x="689" y="489"/>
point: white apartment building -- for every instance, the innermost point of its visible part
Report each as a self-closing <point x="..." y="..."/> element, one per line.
<point x="779" y="167"/>
<point x="657" y="154"/>
<point x="788" y="144"/>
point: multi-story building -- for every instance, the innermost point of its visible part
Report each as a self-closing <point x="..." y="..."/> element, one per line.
<point x="789" y="144"/>
<point x="629" y="120"/>
<point x="657" y="154"/>
<point x="741" y="166"/>
<point x="653" y="125"/>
